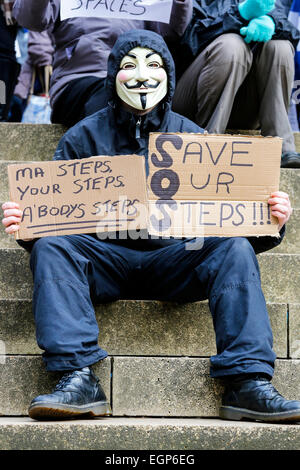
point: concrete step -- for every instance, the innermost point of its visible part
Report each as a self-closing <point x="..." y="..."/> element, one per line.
<point x="154" y="434"/>
<point x="276" y="269"/>
<point x="137" y="386"/>
<point x="30" y="142"/>
<point x="149" y="328"/>
<point x="38" y="141"/>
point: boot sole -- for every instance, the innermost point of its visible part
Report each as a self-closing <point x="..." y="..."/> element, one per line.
<point x="44" y="411"/>
<point x="237" y="414"/>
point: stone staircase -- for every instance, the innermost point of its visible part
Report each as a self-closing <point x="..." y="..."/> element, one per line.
<point x="157" y="374"/>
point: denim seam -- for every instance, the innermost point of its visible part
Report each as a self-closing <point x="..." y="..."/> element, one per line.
<point x="233" y="286"/>
<point x="53" y="279"/>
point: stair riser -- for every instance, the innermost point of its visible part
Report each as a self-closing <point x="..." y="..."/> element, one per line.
<point x="29" y="142"/>
<point x="276" y="269"/>
<point x="141" y="386"/>
<point x="137" y="328"/>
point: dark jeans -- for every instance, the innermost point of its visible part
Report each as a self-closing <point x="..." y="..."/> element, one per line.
<point x="72" y="272"/>
<point x="81" y="98"/>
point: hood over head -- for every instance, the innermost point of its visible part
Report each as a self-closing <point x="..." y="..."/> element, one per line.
<point x="128" y="41"/>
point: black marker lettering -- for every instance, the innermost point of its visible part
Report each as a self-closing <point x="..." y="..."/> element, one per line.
<point x="202" y="213"/>
<point x="78" y="183"/>
<point x="211" y="155"/>
<point x="186" y="153"/>
<point x="27" y="212"/>
<point x="156" y="184"/>
<point x="222" y="218"/>
<point x="240" y="152"/>
<point x="79" y="6"/>
<point x="200" y="187"/>
<point x="42" y="211"/>
<point x="241" y="215"/>
<point x="139" y="6"/>
<point x="166" y="158"/>
<point x="63" y="169"/>
<point x="23" y="192"/>
<point x="226" y="183"/>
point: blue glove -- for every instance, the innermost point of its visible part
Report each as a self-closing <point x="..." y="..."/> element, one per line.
<point x="250" y="9"/>
<point x="259" y="29"/>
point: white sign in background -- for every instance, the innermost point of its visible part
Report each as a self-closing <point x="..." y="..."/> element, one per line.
<point x="144" y="10"/>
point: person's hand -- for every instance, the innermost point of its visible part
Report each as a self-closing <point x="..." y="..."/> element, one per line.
<point x="9" y="19"/>
<point x="250" y="9"/>
<point x="12" y="217"/>
<point x="280" y="207"/>
<point x="260" y="29"/>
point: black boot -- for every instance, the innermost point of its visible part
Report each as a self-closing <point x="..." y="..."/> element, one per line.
<point x="78" y="393"/>
<point x="290" y="160"/>
<point x="255" y="398"/>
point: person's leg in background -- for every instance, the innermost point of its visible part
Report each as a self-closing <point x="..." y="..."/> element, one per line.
<point x="81" y="98"/>
<point x="206" y="91"/>
<point x="262" y="101"/>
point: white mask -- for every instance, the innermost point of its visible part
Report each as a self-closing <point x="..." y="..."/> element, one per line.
<point x="142" y="80"/>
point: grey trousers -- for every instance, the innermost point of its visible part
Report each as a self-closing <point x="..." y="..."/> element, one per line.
<point x="230" y="87"/>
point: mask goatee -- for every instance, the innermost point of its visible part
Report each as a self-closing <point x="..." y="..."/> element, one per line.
<point x="143" y="100"/>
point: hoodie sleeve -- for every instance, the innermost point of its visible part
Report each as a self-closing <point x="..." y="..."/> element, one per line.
<point x="261" y="244"/>
<point x="36" y="15"/>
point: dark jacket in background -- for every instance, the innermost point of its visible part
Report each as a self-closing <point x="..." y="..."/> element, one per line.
<point x="211" y="18"/>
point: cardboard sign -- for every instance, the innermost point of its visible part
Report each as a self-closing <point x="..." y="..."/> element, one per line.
<point x="144" y="10"/>
<point x="91" y="195"/>
<point x="212" y="185"/>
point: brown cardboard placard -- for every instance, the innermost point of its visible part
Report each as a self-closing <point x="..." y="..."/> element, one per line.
<point x="91" y="195"/>
<point x="212" y="185"/>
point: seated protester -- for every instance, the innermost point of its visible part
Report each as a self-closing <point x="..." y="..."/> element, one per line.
<point x="82" y="48"/>
<point x="240" y="69"/>
<point x="70" y="272"/>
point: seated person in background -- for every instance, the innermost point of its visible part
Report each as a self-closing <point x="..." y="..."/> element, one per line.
<point x="39" y="57"/>
<point x="82" y="48"/>
<point x="241" y="69"/>
<point x="72" y="272"/>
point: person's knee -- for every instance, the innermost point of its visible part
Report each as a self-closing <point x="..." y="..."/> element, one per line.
<point x="48" y="247"/>
<point x="231" y="48"/>
<point x="280" y="50"/>
<point x="240" y="252"/>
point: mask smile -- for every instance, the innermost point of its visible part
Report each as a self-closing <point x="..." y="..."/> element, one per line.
<point x="141" y="86"/>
